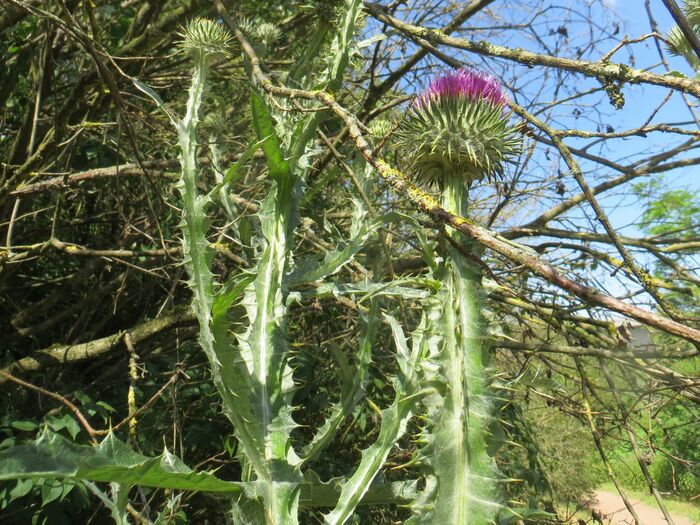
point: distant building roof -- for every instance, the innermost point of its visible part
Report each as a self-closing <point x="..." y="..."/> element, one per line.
<point x="636" y="335"/>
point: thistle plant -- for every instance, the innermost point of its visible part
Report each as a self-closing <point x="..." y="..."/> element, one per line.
<point x="455" y="133"/>
<point x="251" y="368"/>
<point x="458" y="132"/>
<point x="252" y="377"/>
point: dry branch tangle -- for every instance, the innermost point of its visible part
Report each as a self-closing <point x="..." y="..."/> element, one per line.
<point x="62" y="354"/>
<point x="402" y="185"/>
<point x="601" y="70"/>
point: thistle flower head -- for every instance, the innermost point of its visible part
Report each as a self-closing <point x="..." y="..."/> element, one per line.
<point x="215" y="123"/>
<point x="205" y="38"/>
<point x="460" y="126"/>
<point x="268" y="33"/>
<point x="262" y="35"/>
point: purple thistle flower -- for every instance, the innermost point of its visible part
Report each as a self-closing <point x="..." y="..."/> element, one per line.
<point x="465" y="83"/>
<point x="460" y="124"/>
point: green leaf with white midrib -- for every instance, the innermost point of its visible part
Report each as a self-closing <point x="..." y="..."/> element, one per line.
<point x="393" y="426"/>
<point x="53" y="456"/>
<point x="393" y="288"/>
<point x="234" y="381"/>
<point x="263" y="348"/>
<point x="263" y="344"/>
<point x="266" y="314"/>
<point x="394" y="420"/>
<point x="353" y="389"/>
<point x="333" y="261"/>
<point x="198" y="256"/>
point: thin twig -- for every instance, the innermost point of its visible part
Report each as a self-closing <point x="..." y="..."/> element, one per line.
<point x="53" y="395"/>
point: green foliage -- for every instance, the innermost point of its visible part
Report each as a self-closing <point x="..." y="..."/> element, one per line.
<point x="571" y="477"/>
<point x="677" y="434"/>
<point x="343" y="365"/>
<point x="277" y="165"/>
<point x="394" y="418"/>
<point x="674" y="212"/>
<point x="53" y="456"/>
<point x="261" y="375"/>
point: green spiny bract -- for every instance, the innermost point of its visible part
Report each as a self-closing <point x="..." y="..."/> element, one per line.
<point x="380" y="128"/>
<point x="202" y="37"/>
<point x="459" y="126"/>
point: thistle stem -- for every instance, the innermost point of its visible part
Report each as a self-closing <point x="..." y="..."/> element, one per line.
<point x="464" y="473"/>
<point x="455" y="193"/>
<point x="195" y="245"/>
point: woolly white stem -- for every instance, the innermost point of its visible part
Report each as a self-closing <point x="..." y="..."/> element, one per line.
<point x="460" y="416"/>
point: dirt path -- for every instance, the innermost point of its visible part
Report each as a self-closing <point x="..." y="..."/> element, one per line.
<point x="612" y="506"/>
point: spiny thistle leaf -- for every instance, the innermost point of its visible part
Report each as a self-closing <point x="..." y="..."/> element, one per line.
<point x="53" y="456"/>
<point x="198" y="256"/>
<point x="393" y="288"/>
<point x="342" y="46"/>
<point x="393" y="425"/>
<point x="260" y="428"/>
<point x="264" y="353"/>
<point x="234" y="382"/>
<point x="277" y="165"/>
<point x="461" y="478"/>
<point x="311" y="271"/>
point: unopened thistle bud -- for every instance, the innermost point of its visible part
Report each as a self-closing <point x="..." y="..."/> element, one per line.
<point x="205" y="38"/>
<point x="380" y="127"/>
<point x="267" y="33"/>
<point x="262" y="35"/>
<point x="215" y="123"/>
<point x="459" y="126"/>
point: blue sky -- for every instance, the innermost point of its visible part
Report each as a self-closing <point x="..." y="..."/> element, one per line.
<point x="535" y="85"/>
<point x="639" y="100"/>
<point x="624" y="209"/>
